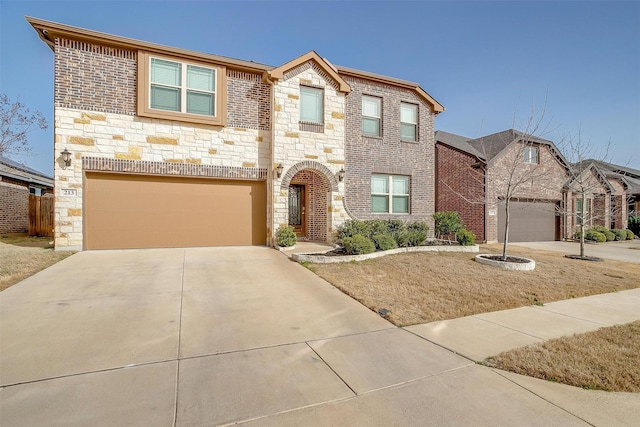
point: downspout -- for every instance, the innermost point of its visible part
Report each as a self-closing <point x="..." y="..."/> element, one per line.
<point x="266" y="77"/>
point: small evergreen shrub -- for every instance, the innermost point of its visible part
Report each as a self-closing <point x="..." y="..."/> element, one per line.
<point x="595" y="236"/>
<point x="619" y="234"/>
<point x="377" y="226"/>
<point x="446" y="223"/>
<point x="634" y="224"/>
<point x="465" y="237"/>
<point x="384" y="242"/>
<point x="358" y="244"/>
<point x="285" y="236"/>
<point x="630" y="235"/>
<point x="408" y="238"/>
<point x="353" y="227"/>
<point x="608" y="234"/>
<point x="395" y="227"/>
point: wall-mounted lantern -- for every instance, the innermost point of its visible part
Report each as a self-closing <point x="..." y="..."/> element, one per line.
<point x="279" y="169"/>
<point x="341" y="175"/>
<point x="66" y="158"/>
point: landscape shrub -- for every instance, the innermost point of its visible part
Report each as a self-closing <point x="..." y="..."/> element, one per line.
<point x="408" y="238"/>
<point x="377" y="226"/>
<point x="608" y="234"/>
<point x="630" y="235"/>
<point x="446" y="223"/>
<point x="634" y="224"/>
<point x="465" y="237"/>
<point x="395" y="227"/>
<point x="286" y="236"/>
<point x="358" y="245"/>
<point x="595" y="236"/>
<point x="352" y="227"/>
<point x="384" y="242"/>
<point x="619" y="234"/>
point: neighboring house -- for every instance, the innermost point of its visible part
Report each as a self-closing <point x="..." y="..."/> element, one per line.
<point x="17" y="182"/>
<point x="174" y="148"/>
<point x="486" y="169"/>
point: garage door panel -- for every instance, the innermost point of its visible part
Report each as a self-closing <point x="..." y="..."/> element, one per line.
<point x="528" y="221"/>
<point x="129" y="211"/>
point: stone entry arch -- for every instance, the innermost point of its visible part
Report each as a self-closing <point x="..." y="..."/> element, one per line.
<point x="318" y="168"/>
<point x="314" y="205"/>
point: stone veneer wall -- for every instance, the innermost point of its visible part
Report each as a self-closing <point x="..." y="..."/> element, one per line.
<point x="547" y="186"/>
<point x="460" y="187"/>
<point x="14" y="206"/>
<point x="317" y="189"/>
<point x="388" y="154"/>
<point x="95" y="104"/>
<point x="297" y="147"/>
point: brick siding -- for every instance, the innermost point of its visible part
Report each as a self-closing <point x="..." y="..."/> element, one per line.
<point x="14" y="206"/>
<point x="460" y="188"/>
<point x="388" y="154"/>
<point x="318" y="188"/>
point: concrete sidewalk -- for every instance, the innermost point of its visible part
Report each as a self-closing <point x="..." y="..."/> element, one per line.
<point x="222" y="336"/>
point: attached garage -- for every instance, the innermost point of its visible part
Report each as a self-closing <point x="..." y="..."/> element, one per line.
<point x="138" y="211"/>
<point x="529" y="222"/>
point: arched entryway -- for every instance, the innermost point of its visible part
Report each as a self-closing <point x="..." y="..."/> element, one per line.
<point x="309" y="186"/>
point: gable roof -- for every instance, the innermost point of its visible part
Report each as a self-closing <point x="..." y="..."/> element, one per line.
<point x="24" y="173"/>
<point x="491" y="145"/>
<point x="458" y="142"/>
<point x="437" y="107"/>
<point x="278" y="72"/>
<point x="629" y="176"/>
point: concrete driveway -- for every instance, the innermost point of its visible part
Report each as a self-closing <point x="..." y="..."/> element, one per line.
<point x="627" y="251"/>
<point x="215" y="336"/>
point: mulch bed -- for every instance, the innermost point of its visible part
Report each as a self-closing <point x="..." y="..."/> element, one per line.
<point x="513" y="259"/>
<point x="585" y="258"/>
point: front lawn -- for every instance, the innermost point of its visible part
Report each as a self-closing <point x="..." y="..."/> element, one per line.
<point x="425" y="287"/>
<point x="22" y="256"/>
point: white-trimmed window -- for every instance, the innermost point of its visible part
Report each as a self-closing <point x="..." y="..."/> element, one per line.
<point x="408" y="122"/>
<point x="531" y="155"/>
<point x="390" y="194"/>
<point x="371" y="115"/>
<point x="311" y="104"/>
<point x="174" y="89"/>
<point x="582" y="211"/>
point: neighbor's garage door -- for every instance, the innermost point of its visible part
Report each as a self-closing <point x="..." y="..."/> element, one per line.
<point x="131" y="211"/>
<point x="529" y="222"/>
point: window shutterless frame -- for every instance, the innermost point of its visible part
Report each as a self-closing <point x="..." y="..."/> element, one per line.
<point x="408" y="122"/>
<point x="181" y="90"/>
<point x="371" y="116"/>
<point x="531" y="155"/>
<point x="311" y="104"/>
<point x="390" y="194"/>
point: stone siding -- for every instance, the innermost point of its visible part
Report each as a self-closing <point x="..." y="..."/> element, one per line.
<point x="388" y="154"/>
<point x="297" y="146"/>
<point x="460" y="187"/>
<point x="14" y="206"/>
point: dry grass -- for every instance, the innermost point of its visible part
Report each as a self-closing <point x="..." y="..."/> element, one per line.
<point x="606" y="359"/>
<point x="21" y="257"/>
<point x="425" y="287"/>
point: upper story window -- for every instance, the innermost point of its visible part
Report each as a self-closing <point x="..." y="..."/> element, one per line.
<point x="311" y="104"/>
<point x="409" y="122"/>
<point x="371" y="115"/>
<point x="389" y="194"/>
<point x="531" y="155"/>
<point x="181" y="90"/>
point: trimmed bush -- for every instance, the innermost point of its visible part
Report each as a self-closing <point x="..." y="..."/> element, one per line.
<point x="619" y="234"/>
<point x="352" y="227"/>
<point x="630" y="235"/>
<point x="411" y="238"/>
<point x="608" y="234"/>
<point x="465" y="237"/>
<point x="595" y="236"/>
<point x="285" y="236"/>
<point x="634" y="224"/>
<point x="358" y="245"/>
<point x="446" y="223"/>
<point x="384" y="242"/>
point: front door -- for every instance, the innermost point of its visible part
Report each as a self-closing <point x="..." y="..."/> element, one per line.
<point x="297" y="209"/>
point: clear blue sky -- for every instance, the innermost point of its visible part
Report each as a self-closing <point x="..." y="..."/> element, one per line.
<point x="484" y="61"/>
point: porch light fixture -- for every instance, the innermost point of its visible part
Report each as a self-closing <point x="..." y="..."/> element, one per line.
<point x="279" y="170"/>
<point x="66" y="158"/>
<point x="341" y="175"/>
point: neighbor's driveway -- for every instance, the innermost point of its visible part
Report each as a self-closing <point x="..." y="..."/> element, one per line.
<point x="627" y="251"/>
<point x="210" y="336"/>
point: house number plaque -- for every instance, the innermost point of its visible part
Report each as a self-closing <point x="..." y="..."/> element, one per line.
<point x="69" y="192"/>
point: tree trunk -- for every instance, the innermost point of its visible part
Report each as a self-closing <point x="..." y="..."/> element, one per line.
<point x="506" y="230"/>
<point x="582" y="226"/>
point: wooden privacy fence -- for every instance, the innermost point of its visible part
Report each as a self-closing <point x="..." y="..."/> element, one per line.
<point x="40" y="216"/>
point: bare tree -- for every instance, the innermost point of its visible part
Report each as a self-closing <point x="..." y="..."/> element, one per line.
<point x="16" y="121"/>
<point x="586" y="181"/>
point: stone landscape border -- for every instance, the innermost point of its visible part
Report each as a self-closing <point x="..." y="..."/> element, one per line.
<point x="324" y="259"/>
<point x="529" y="265"/>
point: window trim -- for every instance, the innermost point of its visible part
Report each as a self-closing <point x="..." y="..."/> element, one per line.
<point x="363" y="116"/>
<point x="390" y="194"/>
<point x="144" y="88"/>
<point x="417" y="128"/>
<point x="311" y="122"/>
<point x="527" y="154"/>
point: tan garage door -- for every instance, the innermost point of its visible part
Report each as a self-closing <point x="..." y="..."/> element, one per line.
<point x="529" y="222"/>
<point x="131" y="211"/>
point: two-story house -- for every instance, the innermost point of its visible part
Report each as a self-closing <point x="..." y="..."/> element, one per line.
<point x="164" y="147"/>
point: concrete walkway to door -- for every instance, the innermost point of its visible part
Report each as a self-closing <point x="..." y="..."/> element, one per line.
<point x="216" y="336"/>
